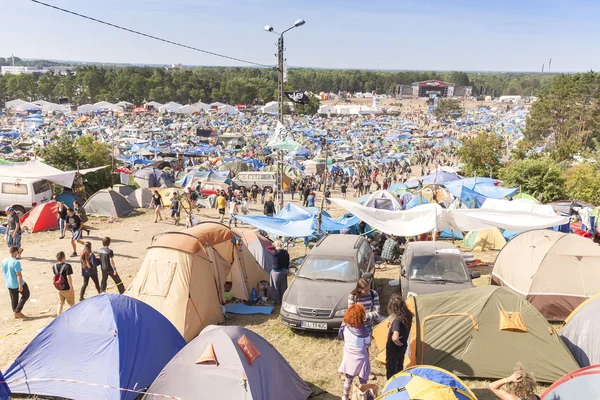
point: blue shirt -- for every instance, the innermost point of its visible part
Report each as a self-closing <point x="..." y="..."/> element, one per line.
<point x="11" y="266"/>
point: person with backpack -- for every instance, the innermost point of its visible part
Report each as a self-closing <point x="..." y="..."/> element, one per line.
<point x="107" y="266"/>
<point x="369" y="299"/>
<point x="63" y="282"/>
<point x="89" y="269"/>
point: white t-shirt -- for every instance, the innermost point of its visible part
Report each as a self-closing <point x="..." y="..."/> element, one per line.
<point x="355" y="342"/>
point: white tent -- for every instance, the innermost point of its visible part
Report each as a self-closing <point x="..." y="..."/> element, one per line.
<point x="13" y="104"/>
<point x="216" y="104"/>
<point x="189" y="109"/>
<point x="103" y="104"/>
<point x="124" y="104"/>
<point x="42" y="103"/>
<point x="170" y="107"/>
<point x="327" y="110"/>
<point x="229" y="110"/>
<point x="87" y="109"/>
<point x="203" y="106"/>
<point x="154" y="104"/>
<point x="272" y="107"/>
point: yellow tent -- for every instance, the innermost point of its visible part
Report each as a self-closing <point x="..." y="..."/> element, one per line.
<point x="485" y="239"/>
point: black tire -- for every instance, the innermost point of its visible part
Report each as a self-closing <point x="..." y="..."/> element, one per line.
<point x="19" y="209"/>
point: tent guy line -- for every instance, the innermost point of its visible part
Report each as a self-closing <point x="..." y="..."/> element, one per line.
<point x="151" y="36"/>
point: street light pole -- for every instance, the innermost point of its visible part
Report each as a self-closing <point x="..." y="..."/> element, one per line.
<point x="280" y="99"/>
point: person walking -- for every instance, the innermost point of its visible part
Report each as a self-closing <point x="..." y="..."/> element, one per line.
<point x="108" y="268"/>
<point x="175" y="208"/>
<point x="80" y="212"/>
<point x="157" y="203"/>
<point x="76" y="226"/>
<point x="269" y="208"/>
<point x="221" y="205"/>
<point x="13" y="230"/>
<point x="310" y="201"/>
<point x="16" y="285"/>
<point x="397" y="340"/>
<point x="89" y="269"/>
<point x="293" y="189"/>
<point x="234" y="210"/>
<point x="278" y="276"/>
<point x="357" y="339"/>
<point x="62" y="219"/>
<point x="306" y="194"/>
<point x="63" y="282"/>
<point x="343" y="190"/>
<point x="369" y="299"/>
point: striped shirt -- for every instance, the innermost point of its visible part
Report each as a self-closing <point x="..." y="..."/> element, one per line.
<point x="371" y="303"/>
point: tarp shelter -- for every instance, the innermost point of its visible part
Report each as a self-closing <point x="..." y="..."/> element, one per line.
<point x="383" y="200"/>
<point x="567" y="207"/>
<point x="152" y="177"/>
<point x="184" y="273"/>
<point x="485" y="239"/>
<point x="140" y="198"/>
<point x="555" y="271"/>
<point x="37" y="169"/>
<point x="483" y="186"/>
<point x="107" y="203"/>
<point x="4" y="390"/>
<point x="581" y="332"/>
<point x="229" y="362"/>
<point x="581" y="384"/>
<point x="94" y="348"/>
<point x="261" y="248"/>
<point x="41" y="218"/>
<point x="69" y="198"/>
<point x="478" y="332"/>
<point x="426" y="382"/>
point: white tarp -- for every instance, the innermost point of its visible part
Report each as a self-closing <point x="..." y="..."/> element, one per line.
<point x="518" y="205"/>
<point x="427" y="217"/>
<point x="37" y="169"/>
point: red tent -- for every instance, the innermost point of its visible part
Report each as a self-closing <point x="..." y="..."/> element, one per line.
<point x="42" y="218"/>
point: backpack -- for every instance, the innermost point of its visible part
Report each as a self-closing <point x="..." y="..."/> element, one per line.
<point x="59" y="281"/>
<point x="94" y="261"/>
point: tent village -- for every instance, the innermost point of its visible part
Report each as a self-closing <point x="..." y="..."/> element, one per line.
<point x="201" y="218"/>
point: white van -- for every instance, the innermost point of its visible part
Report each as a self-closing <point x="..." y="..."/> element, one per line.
<point x="23" y="193"/>
<point x="247" y="179"/>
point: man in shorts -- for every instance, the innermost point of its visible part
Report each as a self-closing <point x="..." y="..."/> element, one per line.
<point x="13" y="230"/>
<point x="221" y="205"/>
<point x="76" y="227"/>
<point x="175" y="208"/>
<point x="66" y="292"/>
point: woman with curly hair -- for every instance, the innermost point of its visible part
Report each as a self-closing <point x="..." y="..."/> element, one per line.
<point x="397" y="340"/>
<point x="521" y="386"/>
<point x="357" y="339"/>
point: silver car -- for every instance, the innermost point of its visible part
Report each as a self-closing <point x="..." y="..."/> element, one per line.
<point x="317" y="298"/>
<point x="433" y="267"/>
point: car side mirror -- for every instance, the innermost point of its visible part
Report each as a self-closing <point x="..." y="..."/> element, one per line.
<point x="475" y="275"/>
<point x="403" y="273"/>
<point x="367" y="275"/>
<point x="293" y="270"/>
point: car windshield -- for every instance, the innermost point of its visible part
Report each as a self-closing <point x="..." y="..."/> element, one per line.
<point x="438" y="267"/>
<point x="325" y="269"/>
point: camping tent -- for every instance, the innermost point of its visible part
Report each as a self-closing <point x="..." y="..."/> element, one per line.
<point x="184" y="273"/>
<point x="261" y="248"/>
<point x="555" y="271"/>
<point x="581" y="332"/>
<point x="581" y="384"/>
<point x="107" y="203"/>
<point x="426" y="382"/>
<point x="69" y="198"/>
<point x="150" y="177"/>
<point x="383" y="200"/>
<point x="4" y="390"/>
<point x="485" y="239"/>
<point x="90" y="351"/>
<point x="123" y="190"/>
<point x="229" y="362"/>
<point x="140" y="198"/>
<point x="478" y="332"/>
<point x="41" y="218"/>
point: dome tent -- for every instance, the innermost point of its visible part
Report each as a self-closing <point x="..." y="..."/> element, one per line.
<point x="107" y="203"/>
<point x="581" y="384"/>
<point x="4" y="390"/>
<point x="477" y="332"/>
<point x="140" y="198"/>
<point x="69" y="198"/>
<point x="485" y="239"/>
<point x="383" y="200"/>
<point x="94" y="348"/>
<point x="426" y="382"/>
<point x="41" y="218"/>
<point x="229" y="362"/>
<point x="581" y="332"/>
<point x="555" y="271"/>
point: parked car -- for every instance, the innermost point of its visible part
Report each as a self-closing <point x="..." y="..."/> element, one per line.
<point x="209" y="188"/>
<point x="317" y="298"/>
<point x="23" y="194"/>
<point x="247" y="179"/>
<point x="433" y="267"/>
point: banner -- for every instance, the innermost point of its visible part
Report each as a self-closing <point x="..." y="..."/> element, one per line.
<point x="298" y="97"/>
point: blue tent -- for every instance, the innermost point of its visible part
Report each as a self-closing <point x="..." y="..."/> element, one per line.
<point x="426" y="380"/>
<point x="4" y="390"/>
<point x="106" y="343"/>
<point x="483" y="186"/>
<point x="447" y="234"/>
<point x="69" y="198"/>
<point x="414" y="202"/>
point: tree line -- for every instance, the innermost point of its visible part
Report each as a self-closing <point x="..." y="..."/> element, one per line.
<point x="236" y="85"/>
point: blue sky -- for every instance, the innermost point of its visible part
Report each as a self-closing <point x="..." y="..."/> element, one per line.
<point x="506" y="35"/>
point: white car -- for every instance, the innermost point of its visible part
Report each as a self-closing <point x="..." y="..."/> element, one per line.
<point x="23" y="193"/>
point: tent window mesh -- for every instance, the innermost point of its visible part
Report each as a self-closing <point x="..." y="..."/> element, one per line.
<point x="158" y="279"/>
<point x="512" y="321"/>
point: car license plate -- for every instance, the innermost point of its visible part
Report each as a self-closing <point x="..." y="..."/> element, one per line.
<point x="314" y="325"/>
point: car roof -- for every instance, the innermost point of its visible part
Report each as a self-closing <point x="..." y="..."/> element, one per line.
<point x="430" y="248"/>
<point x="21" y="180"/>
<point x="342" y="245"/>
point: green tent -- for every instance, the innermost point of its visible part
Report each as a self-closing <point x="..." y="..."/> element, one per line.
<point x="525" y="196"/>
<point x="484" y="332"/>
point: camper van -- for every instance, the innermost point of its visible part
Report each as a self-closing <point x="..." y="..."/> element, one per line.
<point x="247" y="179"/>
<point x="23" y="194"/>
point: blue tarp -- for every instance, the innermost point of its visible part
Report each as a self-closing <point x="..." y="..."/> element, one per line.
<point x="470" y="198"/>
<point x="485" y="187"/>
<point x="296" y="221"/>
<point x="111" y="340"/>
<point x="4" y="390"/>
<point x="447" y="234"/>
<point x="205" y="176"/>
<point x="416" y="202"/>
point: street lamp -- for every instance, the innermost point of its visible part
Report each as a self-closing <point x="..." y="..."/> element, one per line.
<point x="280" y="95"/>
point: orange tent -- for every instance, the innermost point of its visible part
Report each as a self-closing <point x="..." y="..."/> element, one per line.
<point x="41" y="218"/>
